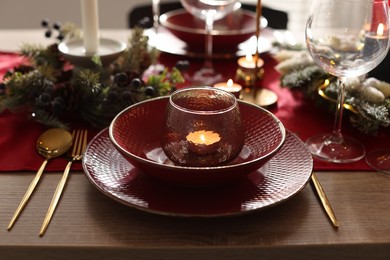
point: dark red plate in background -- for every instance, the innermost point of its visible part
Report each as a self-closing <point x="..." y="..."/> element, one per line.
<point x="227" y="33"/>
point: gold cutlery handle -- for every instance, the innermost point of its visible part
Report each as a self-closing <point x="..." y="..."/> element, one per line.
<point x="55" y="199"/>
<point x="28" y="193"/>
<point x="324" y="200"/>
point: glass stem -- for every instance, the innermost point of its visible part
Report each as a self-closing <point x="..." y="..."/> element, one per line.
<point x="209" y="39"/>
<point x="156" y="23"/>
<point x="339" y="109"/>
<point x="156" y="14"/>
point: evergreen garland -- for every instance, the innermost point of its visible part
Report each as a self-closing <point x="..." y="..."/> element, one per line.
<point x="55" y="94"/>
<point x="368" y="112"/>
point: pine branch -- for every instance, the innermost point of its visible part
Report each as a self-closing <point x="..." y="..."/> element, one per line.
<point x="52" y="93"/>
<point x="48" y="119"/>
<point x="308" y="78"/>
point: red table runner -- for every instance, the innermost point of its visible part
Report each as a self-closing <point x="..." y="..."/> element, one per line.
<point x="18" y="135"/>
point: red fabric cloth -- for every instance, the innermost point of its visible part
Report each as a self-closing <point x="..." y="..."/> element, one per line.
<point x="18" y="138"/>
<point x="18" y="135"/>
<point x="304" y="118"/>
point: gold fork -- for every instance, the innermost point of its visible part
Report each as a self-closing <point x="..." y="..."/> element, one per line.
<point x="79" y="144"/>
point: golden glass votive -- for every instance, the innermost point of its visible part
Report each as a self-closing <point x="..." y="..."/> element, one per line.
<point x="203" y="127"/>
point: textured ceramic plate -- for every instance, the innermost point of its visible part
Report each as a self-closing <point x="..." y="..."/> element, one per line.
<point x="135" y="132"/>
<point x="282" y="177"/>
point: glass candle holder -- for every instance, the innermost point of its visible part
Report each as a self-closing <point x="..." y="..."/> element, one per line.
<point x="203" y="127"/>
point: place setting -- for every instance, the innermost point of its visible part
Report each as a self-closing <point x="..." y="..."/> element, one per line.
<point x="201" y="138"/>
<point x="198" y="168"/>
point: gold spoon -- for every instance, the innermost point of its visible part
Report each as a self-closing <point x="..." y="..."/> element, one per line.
<point x="52" y="143"/>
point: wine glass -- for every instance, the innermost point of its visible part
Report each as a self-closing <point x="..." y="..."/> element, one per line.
<point x="347" y="38"/>
<point x="209" y="11"/>
<point x="155" y="67"/>
<point x="156" y="14"/>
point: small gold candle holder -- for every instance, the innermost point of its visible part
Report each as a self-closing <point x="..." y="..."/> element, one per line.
<point x="230" y="87"/>
<point x="248" y="72"/>
<point x="252" y="76"/>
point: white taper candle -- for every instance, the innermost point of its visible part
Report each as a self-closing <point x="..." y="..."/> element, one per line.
<point x="90" y="22"/>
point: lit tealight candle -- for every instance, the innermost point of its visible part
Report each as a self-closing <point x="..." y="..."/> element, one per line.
<point x="374" y="41"/>
<point x="248" y="62"/>
<point x="230" y="86"/>
<point x="203" y="142"/>
<point x="90" y="22"/>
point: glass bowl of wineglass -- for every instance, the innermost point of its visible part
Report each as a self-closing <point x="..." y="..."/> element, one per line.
<point x="209" y="11"/>
<point x="345" y="46"/>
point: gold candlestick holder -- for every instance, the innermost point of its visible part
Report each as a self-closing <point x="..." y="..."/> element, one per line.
<point x="251" y="72"/>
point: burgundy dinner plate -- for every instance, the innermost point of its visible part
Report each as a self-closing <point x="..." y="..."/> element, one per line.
<point x="227" y="33"/>
<point x="282" y="177"/>
<point x="181" y="33"/>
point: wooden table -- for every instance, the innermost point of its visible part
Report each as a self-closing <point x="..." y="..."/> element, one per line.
<point x="89" y="225"/>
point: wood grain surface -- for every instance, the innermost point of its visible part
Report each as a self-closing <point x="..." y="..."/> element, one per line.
<point x="89" y="225"/>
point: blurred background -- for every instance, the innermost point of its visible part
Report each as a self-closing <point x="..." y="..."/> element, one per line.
<point x="21" y="14"/>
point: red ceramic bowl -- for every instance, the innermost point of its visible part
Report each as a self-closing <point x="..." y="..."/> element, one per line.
<point x="228" y="32"/>
<point x="136" y="133"/>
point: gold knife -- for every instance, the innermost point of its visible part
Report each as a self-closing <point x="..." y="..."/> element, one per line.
<point x="324" y="200"/>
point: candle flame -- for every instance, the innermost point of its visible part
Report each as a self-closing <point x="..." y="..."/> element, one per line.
<point x="229" y="83"/>
<point x="380" y="30"/>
